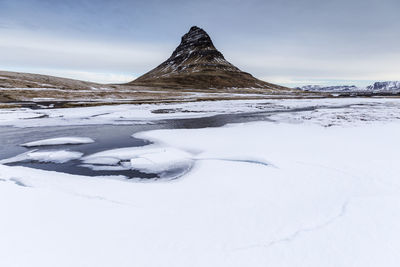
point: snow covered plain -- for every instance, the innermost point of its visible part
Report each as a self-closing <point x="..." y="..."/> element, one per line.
<point x="146" y="113"/>
<point x="314" y="187"/>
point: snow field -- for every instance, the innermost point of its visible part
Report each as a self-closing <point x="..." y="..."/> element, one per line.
<point x="324" y="196"/>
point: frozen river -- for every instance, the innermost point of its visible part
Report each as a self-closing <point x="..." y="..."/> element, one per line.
<point x="106" y="137"/>
<point x="305" y="183"/>
<point x="114" y="136"/>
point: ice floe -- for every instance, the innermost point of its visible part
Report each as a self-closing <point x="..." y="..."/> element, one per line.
<point x="58" y="156"/>
<point x="101" y="160"/>
<point x="161" y="160"/>
<point x="106" y="167"/>
<point x="60" y="141"/>
<point x="167" y="162"/>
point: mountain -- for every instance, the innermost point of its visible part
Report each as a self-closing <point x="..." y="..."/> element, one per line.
<point x="378" y="87"/>
<point x="337" y="88"/>
<point x="385" y="86"/>
<point x="197" y="64"/>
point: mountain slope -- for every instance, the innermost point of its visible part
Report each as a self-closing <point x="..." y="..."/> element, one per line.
<point x="196" y="63"/>
<point x="10" y="79"/>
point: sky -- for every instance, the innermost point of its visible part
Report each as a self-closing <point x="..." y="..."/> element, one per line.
<point x="289" y="42"/>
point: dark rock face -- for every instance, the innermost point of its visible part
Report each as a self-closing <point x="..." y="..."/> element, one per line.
<point x="196" y="63"/>
<point x="196" y="50"/>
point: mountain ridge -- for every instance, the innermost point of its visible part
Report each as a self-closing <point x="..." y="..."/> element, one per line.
<point x="386" y="86"/>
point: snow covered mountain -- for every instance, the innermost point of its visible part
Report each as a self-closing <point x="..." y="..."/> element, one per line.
<point x="196" y="63"/>
<point x="385" y="86"/>
<point x="389" y="86"/>
<point x="337" y="88"/>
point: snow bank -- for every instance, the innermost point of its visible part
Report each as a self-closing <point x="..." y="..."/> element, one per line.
<point x="161" y="160"/>
<point x="60" y="141"/>
<point x="112" y="155"/>
<point x="16" y="116"/>
<point x="168" y="162"/>
<point x="60" y="156"/>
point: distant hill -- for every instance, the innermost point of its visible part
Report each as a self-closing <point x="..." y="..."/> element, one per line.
<point x="11" y="80"/>
<point x="196" y="63"/>
<point x="385" y="86"/>
<point x="377" y="87"/>
<point x="319" y="88"/>
<point x="35" y="90"/>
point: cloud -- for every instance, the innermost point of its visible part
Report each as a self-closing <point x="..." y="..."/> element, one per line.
<point x="299" y="65"/>
<point x="29" y="50"/>
<point x="282" y="41"/>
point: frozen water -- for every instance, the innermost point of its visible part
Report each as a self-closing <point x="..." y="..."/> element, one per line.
<point x="323" y="191"/>
<point x="128" y="114"/>
<point x="60" y="141"/>
<point x="59" y="156"/>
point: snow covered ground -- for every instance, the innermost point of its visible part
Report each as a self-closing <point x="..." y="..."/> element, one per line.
<point x="145" y="113"/>
<point x="316" y="187"/>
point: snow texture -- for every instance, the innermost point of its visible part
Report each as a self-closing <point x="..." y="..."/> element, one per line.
<point x="259" y="194"/>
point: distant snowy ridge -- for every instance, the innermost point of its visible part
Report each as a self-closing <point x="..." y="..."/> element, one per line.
<point x="389" y="86"/>
<point x="336" y="88"/>
<point x="385" y="86"/>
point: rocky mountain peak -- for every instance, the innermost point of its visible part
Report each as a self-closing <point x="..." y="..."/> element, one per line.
<point x="197" y="50"/>
<point x="196" y="37"/>
<point x="196" y="63"/>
